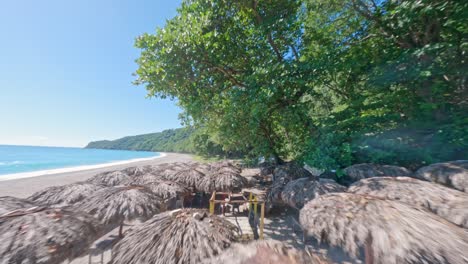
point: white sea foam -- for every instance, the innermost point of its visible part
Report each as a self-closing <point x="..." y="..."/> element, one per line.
<point x="21" y="175"/>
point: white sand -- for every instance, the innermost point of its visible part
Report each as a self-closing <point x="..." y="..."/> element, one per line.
<point x="24" y="184"/>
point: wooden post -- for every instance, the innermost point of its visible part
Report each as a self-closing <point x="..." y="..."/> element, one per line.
<point x="262" y="219"/>
<point x="212" y="203"/>
<point x="255" y="205"/>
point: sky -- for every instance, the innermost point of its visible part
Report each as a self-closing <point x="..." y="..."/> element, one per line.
<point x="66" y="71"/>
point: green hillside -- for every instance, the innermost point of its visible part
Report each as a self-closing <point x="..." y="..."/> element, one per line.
<point x="171" y="140"/>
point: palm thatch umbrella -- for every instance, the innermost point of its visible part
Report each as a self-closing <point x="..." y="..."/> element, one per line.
<point x="368" y="170"/>
<point x="275" y="191"/>
<point x="298" y="192"/>
<point x="167" y="189"/>
<point x="112" y="178"/>
<point x="265" y="251"/>
<point x="147" y="178"/>
<point x="65" y="194"/>
<point x="183" y="236"/>
<point x="190" y="177"/>
<point x="453" y="174"/>
<point x="290" y="171"/>
<point x="389" y="231"/>
<point x="445" y="202"/>
<point x="9" y="203"/>
<point x="223" y="182"/>
<point x="45" y="235"/>
<point x="114" y="205"/>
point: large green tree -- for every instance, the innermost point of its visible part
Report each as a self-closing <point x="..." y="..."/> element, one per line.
<point x="327" y="81"/>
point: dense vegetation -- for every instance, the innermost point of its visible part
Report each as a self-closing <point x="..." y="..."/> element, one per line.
<point x="329" y="82"/>
<point x="171" y="140"/>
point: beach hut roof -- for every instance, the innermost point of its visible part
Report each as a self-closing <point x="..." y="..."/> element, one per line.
<point x="10" y="203"/>
<point x="112" y="178"/>
<point x="298" y="192"/>
<point x="45" y="235"/>
<point x="167" y="189"/>
<point x="113" y="205"/>
<point x="393" y="232"/>
<point x="265" y="251"/>
<point x="453" y="174"/>
<point x="445" y="202"/>
<point x="357" y="172"/>
<point x="223" y="182"/>
<point x="190" y="177"/>
<point x="65" y="194"/>
<point x="183" y="236"/>
<point x="147" y="178"/>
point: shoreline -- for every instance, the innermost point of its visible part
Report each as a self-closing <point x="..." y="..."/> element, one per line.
<point x="24" y="187"/>
<point x="30" y="174"/>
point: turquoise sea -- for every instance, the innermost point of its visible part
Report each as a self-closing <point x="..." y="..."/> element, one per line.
<point x="19" y="159"/>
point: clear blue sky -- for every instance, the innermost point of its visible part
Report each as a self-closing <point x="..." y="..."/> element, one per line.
<point x="66" y="71"/>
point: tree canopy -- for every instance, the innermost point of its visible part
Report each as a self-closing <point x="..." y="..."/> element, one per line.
<point x="325" y="81"/>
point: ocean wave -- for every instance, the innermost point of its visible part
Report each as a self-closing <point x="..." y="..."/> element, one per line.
<point x="8" y="163"/>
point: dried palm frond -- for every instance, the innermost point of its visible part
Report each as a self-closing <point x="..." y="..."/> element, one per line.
<point x="298" y="192"/>
<point x="45" y="235"/>
<point x="182" y="236"/>
<point x="389" y="231"/>
<point x="190" y="177"/>
<point x="265" y="251"/>
<point x="290" y="171"/>
<point x="65" y="194"/>
<point x="114" y="205"/>
<point x="112" y="178"/>
<point x="453" y="174"/>
<point x="168" y="189"/>
<point x="222" y="182"/>
<point x="10" y="203"/>
<point x="445" y="202"/>
<point x="147" y="178"/>
<point x="369" y="170"/>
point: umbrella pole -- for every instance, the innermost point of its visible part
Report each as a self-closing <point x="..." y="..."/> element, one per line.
<point x="121" y="229"/>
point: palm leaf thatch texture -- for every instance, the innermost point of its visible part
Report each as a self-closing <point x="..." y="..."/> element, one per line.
<point x="265" y="251"/>
<point x="223" y="182"/>
<point x="274" y="194"/>
<point x="290" y="171"/>
<point x="168" y="189"/>
<point x="389" y="231"/>
<point x="445" y="202"/>
<point x="183" y="236"/>
<point x="192" y="178"/>
<point x="147" y="178"/>
<point x="114" y="205"/>
<point x="45" y="235"/>
<point x="453" y="174"/>
<point x="298" y="192"/>
<point x="368" y="170"/>
<point x="65" y="194"/>
<point x="112" y="178"/>
<point x="9" y="203"/>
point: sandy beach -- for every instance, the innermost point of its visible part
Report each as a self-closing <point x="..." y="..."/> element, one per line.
<point x="24" y="187"/>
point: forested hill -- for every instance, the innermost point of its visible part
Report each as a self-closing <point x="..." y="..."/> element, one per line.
<point x="171" y="140"/>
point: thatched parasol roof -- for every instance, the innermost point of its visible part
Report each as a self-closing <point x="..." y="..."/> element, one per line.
<point x="44" y="235"/>
<point x="290" y="171"/>
<point x="390" y="231"/>
<point x="167" y="189"/>
<point x="453" y="174"/>
<point x="182" y="236"/>
<point x="65" y="194"/>
<point x="147" y="178"/>
<point x="190" y="177"/>
<point x="223" y="182"/>
<point x="298" y="192"/>
<point x="445" y="202"/>
<point x="265" y="251"/>
<point x="275" y="191"/>
<point x="113" y="205"/>
<point x="9" y="203"/>
<point x="369" y="170"/>
<point x="112" y="178"/>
